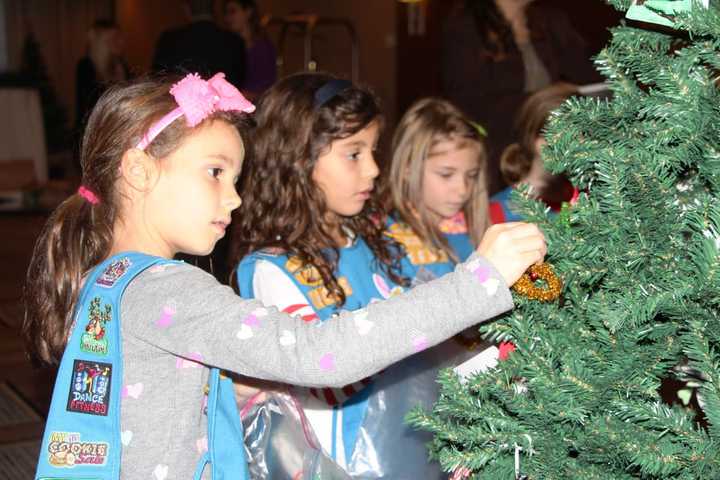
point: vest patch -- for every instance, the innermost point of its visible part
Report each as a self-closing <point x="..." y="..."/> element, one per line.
<point x="94" y="340"/>
<point x="113" y="272"/>
<point x="321" y="297"/>
<point x="90" y="388"/>
<point x="67" y="449"/>
<point x="417" y="252"/>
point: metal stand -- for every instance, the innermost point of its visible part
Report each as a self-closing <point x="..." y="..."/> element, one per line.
<point x="307" y="25"/>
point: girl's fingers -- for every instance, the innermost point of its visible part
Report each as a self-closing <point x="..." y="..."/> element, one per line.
<point x="533" y="257"/>
<point x="521" y="230"/>
<point x="529" y="244"/>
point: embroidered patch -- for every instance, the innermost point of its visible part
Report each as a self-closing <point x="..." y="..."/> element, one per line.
<point x="90" y="388"/>
<point x="417" y="252"/>
<point x="93" y="340"/>
<point x="321" y="297"/>
<point x="305" y="274"/>
<point x="66" y="449"/>
<point x="113" y="272"/>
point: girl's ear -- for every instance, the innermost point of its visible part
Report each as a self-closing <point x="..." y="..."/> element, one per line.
<point x="138" y="169"/>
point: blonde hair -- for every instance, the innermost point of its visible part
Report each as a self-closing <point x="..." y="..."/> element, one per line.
<point x="428" y="122"/>
<point x="517" y="158"/>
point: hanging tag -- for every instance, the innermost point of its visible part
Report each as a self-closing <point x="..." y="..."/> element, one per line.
<point x="518" y="471"/>
<point x="661" y="12"/>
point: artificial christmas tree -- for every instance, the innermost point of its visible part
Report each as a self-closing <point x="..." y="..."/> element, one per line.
<point x="638" y="254"/>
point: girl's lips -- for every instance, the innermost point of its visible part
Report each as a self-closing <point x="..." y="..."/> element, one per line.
<point x="220" y="226"/>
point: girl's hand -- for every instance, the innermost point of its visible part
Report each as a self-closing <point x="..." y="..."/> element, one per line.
<point x="512" y="247"/>
<point x="247" y="388"/>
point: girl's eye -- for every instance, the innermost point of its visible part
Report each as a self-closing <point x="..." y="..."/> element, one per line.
<point x="445" y="175"/>
<point x="473" y="175"/>
<point x="215" y="172"/>
<point x="354" y="156"/>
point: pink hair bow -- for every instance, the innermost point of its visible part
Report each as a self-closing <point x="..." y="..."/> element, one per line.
<point x="197" y="99"/>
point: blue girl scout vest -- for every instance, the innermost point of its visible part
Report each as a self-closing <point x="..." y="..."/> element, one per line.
<point x="425" y="262"/>
<point x="82" y="432"/>
<point x="362" y="280"/>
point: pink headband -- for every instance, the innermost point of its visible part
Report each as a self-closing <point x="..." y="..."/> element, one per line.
<point x="197" y="99"/>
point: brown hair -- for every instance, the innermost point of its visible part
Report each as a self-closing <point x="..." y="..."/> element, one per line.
<point x="517" y="158"/>
<point x="426" y="123"/>
<point x="283" y="208"/>
<point x="79" y="235"/>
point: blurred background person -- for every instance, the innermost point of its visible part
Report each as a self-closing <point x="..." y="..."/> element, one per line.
<point x="521" y="162"/>
<point x="102" y="66"/>
<point x="243" y="18"/>
<point x="496" y="52"/>
<point x="201" y="46"/>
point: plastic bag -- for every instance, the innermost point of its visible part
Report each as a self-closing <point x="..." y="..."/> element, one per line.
<point x="280" y="443"/>
<point x="386" y="447"/>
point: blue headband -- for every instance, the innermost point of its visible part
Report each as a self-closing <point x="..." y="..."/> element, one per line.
<point x="328" y="91"/>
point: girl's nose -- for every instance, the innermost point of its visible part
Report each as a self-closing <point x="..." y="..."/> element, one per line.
<point x="463" y="189"/>
<point x="371" y="168"/>
<point x="233" y="200"/>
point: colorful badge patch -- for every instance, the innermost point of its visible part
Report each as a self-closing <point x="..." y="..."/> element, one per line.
<point x="113" y="272"/>
<point x="68" y="450"/>
<point x="418" y="253"/>
<point x="93" y="340"/>
<point x="90" y="388"/>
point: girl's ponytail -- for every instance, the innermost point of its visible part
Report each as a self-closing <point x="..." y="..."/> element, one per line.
<point x="515" y="163"/>
<point x="77" y="237"/>
<point x="79" y="233"/>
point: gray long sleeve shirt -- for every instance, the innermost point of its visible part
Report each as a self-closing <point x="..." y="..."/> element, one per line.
<point x="177" y="319"/>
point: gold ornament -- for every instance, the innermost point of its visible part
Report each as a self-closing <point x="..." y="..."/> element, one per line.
<point x="526" y="285"/>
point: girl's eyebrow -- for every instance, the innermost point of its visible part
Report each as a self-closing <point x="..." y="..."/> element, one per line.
<point x="223" y="158"/>
<point x="356" y="143"/>
<point x="433" y="153"/>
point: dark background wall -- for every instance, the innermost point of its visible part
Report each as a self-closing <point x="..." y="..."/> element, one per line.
<point x="418" y="68"/>
<point x="400" y="67"/>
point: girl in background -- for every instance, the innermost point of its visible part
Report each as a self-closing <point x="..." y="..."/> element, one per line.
<point x="312" y="244"/>
<point x="159" y="172"/>
<point x="522" y="163"/>
<point x="311" y="241"/>
<point x="436" y="188"/>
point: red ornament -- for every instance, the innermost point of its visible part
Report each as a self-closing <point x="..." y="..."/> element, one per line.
<point x="505" y="349"/>
<point x="575" y="196"/>
<point x="533" y="276"/>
